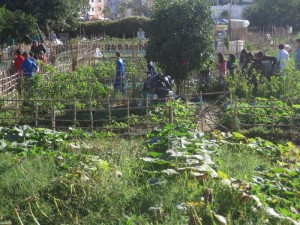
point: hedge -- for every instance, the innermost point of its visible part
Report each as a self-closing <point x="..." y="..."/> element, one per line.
<point x="127" y="27"/>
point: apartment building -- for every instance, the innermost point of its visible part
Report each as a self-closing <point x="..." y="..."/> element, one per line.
<point x="96" y="9"/>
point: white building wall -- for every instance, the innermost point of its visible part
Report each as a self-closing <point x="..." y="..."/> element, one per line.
<point x="236" y="11"/>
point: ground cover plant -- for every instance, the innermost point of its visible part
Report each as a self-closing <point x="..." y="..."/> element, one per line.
<point x="182" y="177"/>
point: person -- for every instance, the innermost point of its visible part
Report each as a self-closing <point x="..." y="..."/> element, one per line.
<point x="120" y="74"/>
<point x="19" y="59"/>
<point x="150" y="68"/>
<point x="268" y="63"/>
<point x="243" y="58"/>
<point x="221" y="68"/>
<point x="31" y="57"/>
<point x="231" y="64"/>
<point x="42" y="58"/>
<point x="28" y="66"/>
<point x="53" y="36"/>
<point x="36" y="48"/>
<point x="297" y="55"/>
<point x="282" y="57"/>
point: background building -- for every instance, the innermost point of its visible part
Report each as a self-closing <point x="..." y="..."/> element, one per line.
<point x="96" y="9"/>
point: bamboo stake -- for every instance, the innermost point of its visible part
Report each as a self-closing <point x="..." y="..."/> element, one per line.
<point x="75" y="114"/>
<point x="91" y="114"/>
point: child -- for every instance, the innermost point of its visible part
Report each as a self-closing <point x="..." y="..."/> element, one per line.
<point x="221" y="68"/>
<point x="231" y="64"/>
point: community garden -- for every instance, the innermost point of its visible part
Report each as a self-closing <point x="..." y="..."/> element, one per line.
<point x="74" y="151"/>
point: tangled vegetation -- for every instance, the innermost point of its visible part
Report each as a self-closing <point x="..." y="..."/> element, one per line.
<point x="184" y="177"/>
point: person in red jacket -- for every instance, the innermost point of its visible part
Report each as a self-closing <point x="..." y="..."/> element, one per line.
<point x="18" y="61"/>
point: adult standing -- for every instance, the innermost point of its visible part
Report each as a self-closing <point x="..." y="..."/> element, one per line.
<point x="18" y="61"/>
<point x="28" y="66"/>
<point x="282" y="57"/>
<point x="36" y="48"/>
<point x="120" y="74"/>
<point x="297" y="55"/>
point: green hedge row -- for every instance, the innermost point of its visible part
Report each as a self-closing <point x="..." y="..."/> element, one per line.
<point x="126" y="27"/>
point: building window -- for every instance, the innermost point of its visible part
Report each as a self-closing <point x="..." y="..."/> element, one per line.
<point x="92" y="0"/>
<point x="99" y="9"/>
<point x="93" y="9"/>
<point x="98" y="0"/>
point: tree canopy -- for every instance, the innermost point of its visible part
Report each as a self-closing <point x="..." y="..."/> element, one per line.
<point x="264" y="13"/>
<point x="180" y="34"/>
<point x="16" y="25"/>
<point x="58" y="14"/>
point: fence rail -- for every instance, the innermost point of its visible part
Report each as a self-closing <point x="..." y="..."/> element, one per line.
<point x="269" y="113"/>
<point x="128" y="115"/>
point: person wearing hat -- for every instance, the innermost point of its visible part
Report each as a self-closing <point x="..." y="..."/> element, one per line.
<point x="282" y="57"/>
<point x="28" y="66"/>
<point x="36" y="48"/>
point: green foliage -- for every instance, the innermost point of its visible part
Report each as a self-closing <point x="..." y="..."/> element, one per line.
<point x="265" y="13"/>
<point x="180" y="36"/>
<point x="58" y="14"/>
<point x="225" y="14"/>
<point x="281" y="86"/>
<point x="16" y="25"/>
<point x="127" y="27"/>
<point x="262" y="111"/>
<point x="175" y="152"/>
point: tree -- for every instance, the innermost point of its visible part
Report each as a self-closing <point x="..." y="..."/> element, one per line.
<point x="264" y="13"/>
<point x="225" y="14"/>
<point x="16" y="25"/>
<point x="106" y="11"/>
<point x="180" y="34"/>
<point x="122" y="10"/>
<point x="58" y="14"/>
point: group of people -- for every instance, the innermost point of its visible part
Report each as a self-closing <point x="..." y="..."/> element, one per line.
<point x="265" y="65"/>
<point x="26" y="64"/>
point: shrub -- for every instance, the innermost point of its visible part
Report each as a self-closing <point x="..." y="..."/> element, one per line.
<point x="127" y="27"/>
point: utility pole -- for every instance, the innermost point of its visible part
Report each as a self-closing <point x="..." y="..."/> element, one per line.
<point x="217" y="11"/>
<point x="229" y="21"/>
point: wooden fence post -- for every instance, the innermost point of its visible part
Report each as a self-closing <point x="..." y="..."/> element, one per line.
<point x="53" y="116"/>
<point x="17" y="109"/>
<point x="292" y="116"/>
<point x="202" y="112"/>
<point x="109" y="112"/>
<point x="75" y="113"/>
<point x="128" y="115"/>
<point x="91" y="113"/>
<point x="147" y="114"/>
<point x="171" y="114"/>
<point x="273" y="114"/>
<point x="234" y="117"/>
<point x="37" y="113"/>
<point x="255" y="117"/>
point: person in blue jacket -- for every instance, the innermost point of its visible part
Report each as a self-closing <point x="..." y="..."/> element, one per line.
<point x="28" y="67"/>
<point x="120" y="74"/>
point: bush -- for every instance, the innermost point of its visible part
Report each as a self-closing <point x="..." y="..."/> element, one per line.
<point x="127" y="27"/>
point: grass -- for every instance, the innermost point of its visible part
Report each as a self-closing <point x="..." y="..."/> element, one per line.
<point x="122" y="194"/>
<point x="241" y="163"/>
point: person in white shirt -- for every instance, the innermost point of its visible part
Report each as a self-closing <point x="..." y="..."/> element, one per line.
<point x="282" y="57"/>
